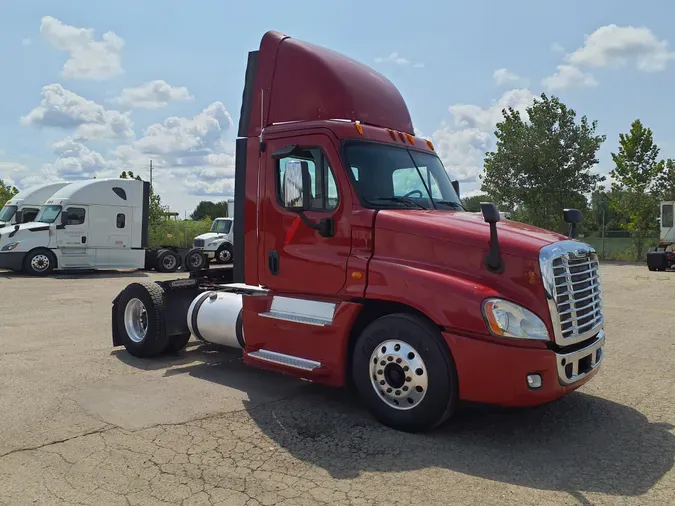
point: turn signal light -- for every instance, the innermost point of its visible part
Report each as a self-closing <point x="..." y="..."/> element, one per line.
<point x="359" y="128"/>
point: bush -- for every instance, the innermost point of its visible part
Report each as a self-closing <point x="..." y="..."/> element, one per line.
<point x="178" y="233"/>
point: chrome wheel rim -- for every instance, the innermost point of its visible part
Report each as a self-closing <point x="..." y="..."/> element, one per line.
<point x="136" y="320"/>
<point x="40" y="263"/>
<point x="169" y="262"/>
<point x="225" y="255"/>
<point x="398" y="374"/>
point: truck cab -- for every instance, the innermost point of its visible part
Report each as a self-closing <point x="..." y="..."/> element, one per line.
<point x="218" y="242"/>
<point x="88" y="225"/>
<point x="25" y="205"/>
<point x="354" y="262"/>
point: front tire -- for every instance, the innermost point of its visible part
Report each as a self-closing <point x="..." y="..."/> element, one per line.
<point x="39" y="262"/>
<point x="224" y="254"/>
<point x="195" y="260"/>
<point x="140" y="319"/>
<point x="404" y="372"/>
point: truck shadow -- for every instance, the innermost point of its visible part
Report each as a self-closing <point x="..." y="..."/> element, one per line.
<point x="580" y="443"/>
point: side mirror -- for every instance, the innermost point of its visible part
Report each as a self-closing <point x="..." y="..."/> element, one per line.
<point x="455" y="185"/>
<point x="297" y="186"/>
<point x="573" y="217"/>
<point x="64" y="217"/>
<point x="19" y="216"/>
<point x="490" y="212"/>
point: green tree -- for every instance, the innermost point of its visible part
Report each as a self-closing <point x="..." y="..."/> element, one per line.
<point x="665" y="184"/>
<point x="6" y="192"/>
<point x="157" y="210"/>
<point x="210" y="210"/>
<point x="472" y="204"/>
<point x="541" y="167"/>
<point x="636" y="183"/>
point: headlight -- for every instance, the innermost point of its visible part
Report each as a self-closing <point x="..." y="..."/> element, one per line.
<point x="507" y="319"/>
<point x="10" y="246"/>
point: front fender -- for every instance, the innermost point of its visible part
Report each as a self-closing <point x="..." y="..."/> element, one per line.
<point x="450" y="300"/>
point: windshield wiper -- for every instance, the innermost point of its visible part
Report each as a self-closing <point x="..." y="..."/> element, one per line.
<point x="405" y="200"/>
<point x="450" y="203"/>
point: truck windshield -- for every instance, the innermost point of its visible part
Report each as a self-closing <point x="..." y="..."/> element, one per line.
<point x="221" y="226"/>
<point x="7" y="213"/>
<point x="389" y="176"/>
<point x="48" y="214"/>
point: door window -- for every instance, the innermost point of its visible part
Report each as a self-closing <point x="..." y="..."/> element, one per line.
<point x="76" y="216"/>
<point x="323" y="189"/>
<point x="667" y="215"/>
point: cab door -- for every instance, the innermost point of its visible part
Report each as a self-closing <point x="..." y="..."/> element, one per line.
<point x="72" y="238"/>
<point x="297" y="258"/>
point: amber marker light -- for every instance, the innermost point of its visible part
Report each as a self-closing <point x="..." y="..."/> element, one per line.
<point x="359" y="128"/>
<point x="357" y="275"/>
<point x="411" y="139"/>
<point x="392" y="135"/>
<point x="431" y="146"/>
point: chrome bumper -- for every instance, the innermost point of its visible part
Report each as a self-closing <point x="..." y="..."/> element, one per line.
<point x="576" y="365"/>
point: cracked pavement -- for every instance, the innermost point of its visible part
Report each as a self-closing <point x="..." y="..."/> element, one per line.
<point x="83" y="423"/>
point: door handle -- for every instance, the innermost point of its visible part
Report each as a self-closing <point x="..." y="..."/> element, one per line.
<point x="84" y="239"/>
<point x="273" y="262"/>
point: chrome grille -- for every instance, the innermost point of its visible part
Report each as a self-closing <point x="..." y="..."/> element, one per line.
<point x="199" y="243"/>
<point x="570" y="272"/>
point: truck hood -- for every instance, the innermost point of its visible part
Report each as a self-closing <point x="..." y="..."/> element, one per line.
<point x="210" y="236"/>
<point x="34" y="226"/>
<point x="468" y="229"/>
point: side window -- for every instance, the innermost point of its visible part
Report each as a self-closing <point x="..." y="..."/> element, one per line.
<point x="667" y="215"/>
<point x="76" y="216"/>
<point x="323" y="188"/>
<point x="121" y="220"/>
<point x="29" y="215"/>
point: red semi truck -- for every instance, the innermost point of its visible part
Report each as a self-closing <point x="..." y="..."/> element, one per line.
<point x="356" y="265"/>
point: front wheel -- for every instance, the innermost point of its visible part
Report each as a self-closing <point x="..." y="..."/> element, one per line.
<point x="404" y="372"/>
<point x="39" y="262"/>
<point x="195" y="260"/>
<point x="224" y="254"/>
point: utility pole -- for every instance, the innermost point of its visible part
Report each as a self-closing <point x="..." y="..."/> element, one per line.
<point x="603" y="234"/>
<point x="150" y="173"/>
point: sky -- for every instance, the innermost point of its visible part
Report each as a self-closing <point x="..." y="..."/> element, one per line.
<point x="94" y="88"/>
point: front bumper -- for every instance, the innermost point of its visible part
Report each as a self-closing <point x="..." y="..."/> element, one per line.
<point x="12" y="260"/>
<point x="210" y="254"/>
<point x="493" y="373"/>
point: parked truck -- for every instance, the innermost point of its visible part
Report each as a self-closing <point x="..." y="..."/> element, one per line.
<point x="25" y="205"/>
<point x="89" y="225"/>
<point x="217" y="243"/>
<point x="662" y="257"/>
<point x="355" y="264"/>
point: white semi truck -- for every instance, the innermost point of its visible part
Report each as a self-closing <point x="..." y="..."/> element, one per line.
<point x="90" y="225"/>
<point x="218" y="243"/>
<point x="662" y="257"/>
<point x="25" y="205"/>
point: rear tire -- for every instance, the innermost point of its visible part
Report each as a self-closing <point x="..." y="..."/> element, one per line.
<point x="140" y="319"/>
<point x="167" y="261"/>
<point x="405" y="373"/>
<point x="177" y="343"/>
<point x="39" y="262"/>
<point x="195" y="260"/>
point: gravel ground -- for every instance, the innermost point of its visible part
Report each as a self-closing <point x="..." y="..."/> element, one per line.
<point x="83" y="423"/>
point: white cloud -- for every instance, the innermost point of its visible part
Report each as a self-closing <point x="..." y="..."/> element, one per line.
<point x="152" y="95"/>
<point x="11" y="173"/>
<point x="87" y="58"/>
<point x="398" y="60"/>
<point x="61" y="108"/>
<point x="463" y="143"/>
<point x="26" y="42"/>
<point x="503" y="77"/>
<point x="618" y="46"/>
<point x="74" y="160"/>
<point x="556" y="47"/>
<point x="567" y="77"/>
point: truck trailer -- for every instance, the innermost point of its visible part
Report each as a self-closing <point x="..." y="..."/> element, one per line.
<point x="25" y="205"/>
<point x="356" y="266"/>
<point x="90" y="225"/>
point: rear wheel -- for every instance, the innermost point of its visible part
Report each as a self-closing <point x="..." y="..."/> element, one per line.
<point x="39" y="262"/>
<point x="405" y="373"/>
<point x="195" y="260"/>
<point x="140" y="319"/>
<point x="167" y="260"/>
